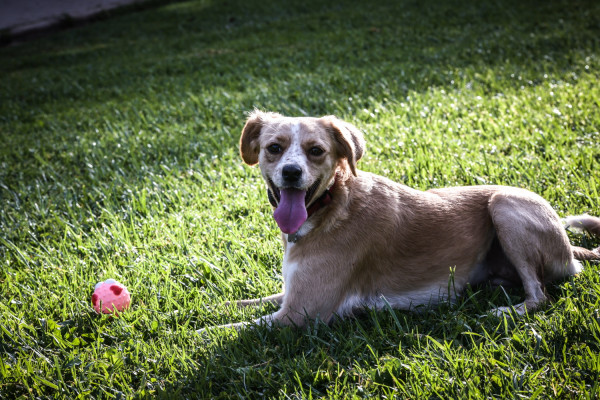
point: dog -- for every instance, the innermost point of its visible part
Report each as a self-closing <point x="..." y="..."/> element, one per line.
<point x="356" y="240"/>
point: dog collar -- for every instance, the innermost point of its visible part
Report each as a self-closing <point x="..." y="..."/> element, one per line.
<point x="321" y="202"/>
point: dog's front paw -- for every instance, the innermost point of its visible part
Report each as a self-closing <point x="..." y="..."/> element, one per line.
<point x="519" y="309"/>
<point x="237" y="326"/>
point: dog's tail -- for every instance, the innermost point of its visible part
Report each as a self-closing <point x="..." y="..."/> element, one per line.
<point x="587" y="223"/>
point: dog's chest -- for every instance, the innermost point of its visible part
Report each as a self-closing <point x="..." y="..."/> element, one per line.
<point x="290" y="264"/>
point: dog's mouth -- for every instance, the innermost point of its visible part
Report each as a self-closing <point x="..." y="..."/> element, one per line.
<point x="290" y="205"/>
<point x="275" y="193"/>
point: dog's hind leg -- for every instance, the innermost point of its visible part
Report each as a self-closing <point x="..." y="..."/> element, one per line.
<point x="534" y="241"/>
<point x="587" y="223"/>
<point x="584" y="222"/>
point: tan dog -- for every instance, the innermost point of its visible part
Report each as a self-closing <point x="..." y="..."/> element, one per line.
<point x="354" y="240"/>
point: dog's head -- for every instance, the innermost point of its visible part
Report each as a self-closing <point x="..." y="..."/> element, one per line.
<point x="299" y="159"/>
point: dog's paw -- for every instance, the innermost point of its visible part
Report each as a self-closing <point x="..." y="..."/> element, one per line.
<point x="237" y="326"/>
<point x="519" y="309"/>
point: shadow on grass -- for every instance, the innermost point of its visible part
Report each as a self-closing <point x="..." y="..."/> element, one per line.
<point x="379" y="352"/>
<point x="345" y="46"/>
<point x="169" y="86"/>
<point x="410" y="46"/>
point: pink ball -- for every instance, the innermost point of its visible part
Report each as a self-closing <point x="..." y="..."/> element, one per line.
<point x="111" y="295"/>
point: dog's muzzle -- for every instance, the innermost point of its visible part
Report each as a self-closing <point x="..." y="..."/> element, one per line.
<point x="274" y="193"/>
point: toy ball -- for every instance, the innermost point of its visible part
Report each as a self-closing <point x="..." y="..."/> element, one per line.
<point x="110" y="296"/>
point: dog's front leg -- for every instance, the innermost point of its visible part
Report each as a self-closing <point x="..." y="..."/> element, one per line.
<point x="291" y="313"/>
<point x="275" y="299"/>
<point x="313" y="292"/>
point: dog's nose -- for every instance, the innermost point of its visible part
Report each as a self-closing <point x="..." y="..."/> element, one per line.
<point x="291" y="173"/>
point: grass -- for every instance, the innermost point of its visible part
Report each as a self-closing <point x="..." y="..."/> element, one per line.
<point x="119" y="160"/>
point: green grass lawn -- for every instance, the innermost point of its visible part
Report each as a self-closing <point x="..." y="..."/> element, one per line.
<point x="118" y="159"/>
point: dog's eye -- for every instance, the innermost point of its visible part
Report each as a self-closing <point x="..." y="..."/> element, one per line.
<point x="274" y="148"/>
<point x="316" y="151"/>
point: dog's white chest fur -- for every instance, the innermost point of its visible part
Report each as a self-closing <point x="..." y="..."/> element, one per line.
<point x="288" y="267"/>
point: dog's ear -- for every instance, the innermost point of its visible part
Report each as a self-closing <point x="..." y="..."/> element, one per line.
<point x="249" y="145"/>
<point x="350" y="140"/>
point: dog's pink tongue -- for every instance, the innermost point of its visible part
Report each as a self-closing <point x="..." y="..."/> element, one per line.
<point x="291" y="211"/>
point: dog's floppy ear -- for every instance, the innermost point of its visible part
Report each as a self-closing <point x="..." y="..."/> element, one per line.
<point x="350" y="140"/>
<point x="249" y="145"/>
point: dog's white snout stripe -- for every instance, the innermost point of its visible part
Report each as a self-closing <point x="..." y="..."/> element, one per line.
<point x="294" y="156"/>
